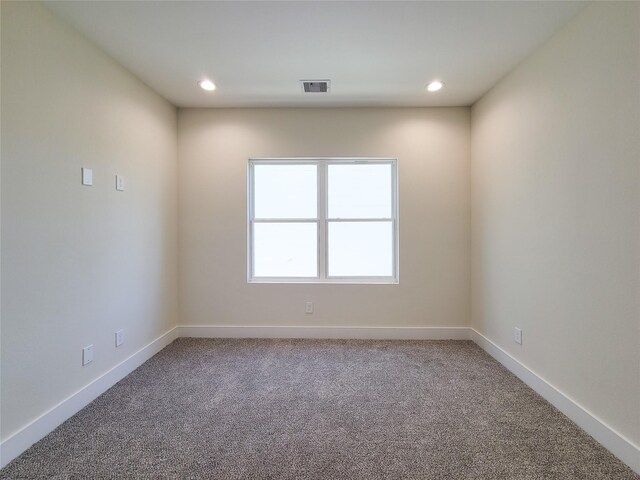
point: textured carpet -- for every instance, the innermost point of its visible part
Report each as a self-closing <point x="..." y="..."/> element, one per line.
<point x="306" y="409"/>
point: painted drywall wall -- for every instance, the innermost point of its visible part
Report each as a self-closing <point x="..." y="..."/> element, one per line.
<point x="555" y="222"/>
<point x="432" y="147"/>
<point x="78" y="262"/>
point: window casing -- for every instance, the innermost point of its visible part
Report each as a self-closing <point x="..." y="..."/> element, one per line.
<point x="353" y="243"/>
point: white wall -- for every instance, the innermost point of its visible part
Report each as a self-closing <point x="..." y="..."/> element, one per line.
<point x="78" y="262"/>
<point x="555" y="218"/>
<point x="433" y="151"/>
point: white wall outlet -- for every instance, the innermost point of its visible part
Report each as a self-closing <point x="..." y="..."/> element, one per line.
<point x="87" y="176"/>
<point x="517" y="335"/>
<point x="120" y="183"/>
<point x="119" y="337"/>
<point x="87" y="355"/>
<point x="308" y="307"/>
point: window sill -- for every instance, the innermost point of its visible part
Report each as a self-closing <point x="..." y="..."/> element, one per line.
<point x="336" y="281"/>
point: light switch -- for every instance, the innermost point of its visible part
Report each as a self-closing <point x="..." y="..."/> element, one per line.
<point x="87" y="176"/>
<point x="119" y="183"/>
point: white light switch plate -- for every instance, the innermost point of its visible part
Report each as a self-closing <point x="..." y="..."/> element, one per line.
<point x="87" y="355"/>
<point x="119" y="183"/>
<point x="308" y="307"/>
<point x="87" y="176"/>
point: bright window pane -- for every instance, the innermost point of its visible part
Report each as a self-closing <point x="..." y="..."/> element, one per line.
<point x="285" y="250"/>
<point x="359" y="191"/>
<point x="359" y="249"/>
<point x="285" y="191"/>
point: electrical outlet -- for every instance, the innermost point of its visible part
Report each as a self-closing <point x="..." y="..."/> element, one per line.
<point x="308" y="307"/>
<point x="119" y="337"/>
<point x="517" y="335"/>
<point x="87" y="176"/>
<point x="87" y="355"/>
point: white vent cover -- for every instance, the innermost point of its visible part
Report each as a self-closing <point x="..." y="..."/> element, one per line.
<point x="315" y="86"/>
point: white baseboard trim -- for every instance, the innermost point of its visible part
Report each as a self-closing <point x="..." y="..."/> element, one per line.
<point x="616" y="443"/>
<point x="48" y="421"/>
<point x="621" y="447"/>
<point x="382" y="333"/>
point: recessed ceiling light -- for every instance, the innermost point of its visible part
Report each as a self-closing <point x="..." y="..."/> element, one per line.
<point x="435" y="86"/>
<point x="207" y="85"/>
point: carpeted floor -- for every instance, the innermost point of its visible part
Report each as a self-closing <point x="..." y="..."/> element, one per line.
<point x="306" y="409"/>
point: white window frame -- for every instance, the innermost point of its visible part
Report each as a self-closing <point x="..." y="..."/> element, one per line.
<point x="322" y="221"/>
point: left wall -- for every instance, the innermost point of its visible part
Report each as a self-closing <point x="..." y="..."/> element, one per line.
<point x="78" y="262"/>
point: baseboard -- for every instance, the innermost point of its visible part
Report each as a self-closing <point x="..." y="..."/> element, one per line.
<point x="41" y="426"/>
<point x="616" y="443"/>
<point x="613" y="441"/>
<point x="386" y="333"/>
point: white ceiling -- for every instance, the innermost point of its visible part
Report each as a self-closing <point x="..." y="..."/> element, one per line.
<point x="375" y="53"/>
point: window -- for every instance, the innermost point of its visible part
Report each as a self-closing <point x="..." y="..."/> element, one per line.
<point x="322" y="220"/>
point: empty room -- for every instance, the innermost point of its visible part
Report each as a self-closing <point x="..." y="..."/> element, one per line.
<point x="320" y="240"/>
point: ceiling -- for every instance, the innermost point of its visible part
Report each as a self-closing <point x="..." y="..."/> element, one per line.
<point x="375" y="53"/>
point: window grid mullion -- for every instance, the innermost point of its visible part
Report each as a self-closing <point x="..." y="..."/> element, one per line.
<point x="322" y="220"/>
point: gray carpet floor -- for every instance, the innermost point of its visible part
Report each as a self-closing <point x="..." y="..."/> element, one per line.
<point x="326" y="409"/>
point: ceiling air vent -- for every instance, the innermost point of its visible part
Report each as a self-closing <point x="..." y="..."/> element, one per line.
<point x="315" y="86"/>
